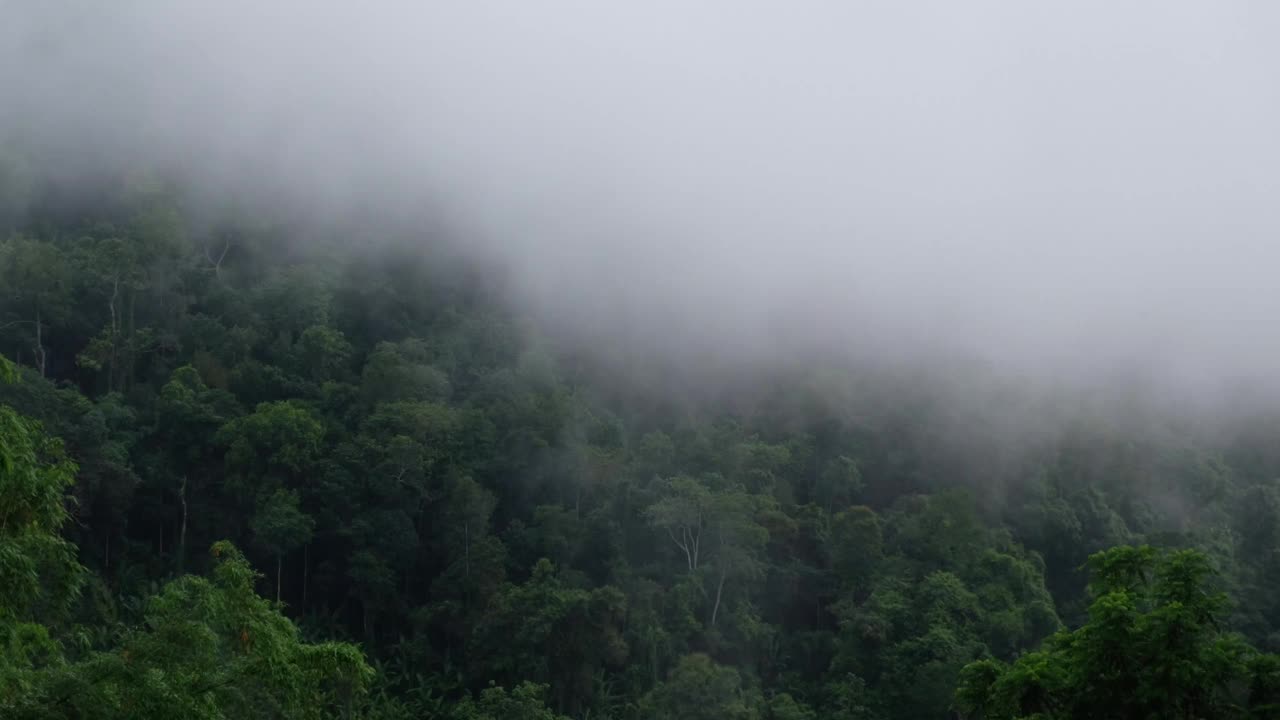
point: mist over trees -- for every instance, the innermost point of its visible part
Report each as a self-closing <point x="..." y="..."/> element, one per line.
<point x="456" y="513"/>
<point x="660" y="362"/>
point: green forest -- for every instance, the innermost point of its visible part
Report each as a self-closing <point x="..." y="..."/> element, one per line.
<point x="255" y="467"/>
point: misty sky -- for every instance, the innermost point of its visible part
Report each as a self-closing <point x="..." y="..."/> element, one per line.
<point x="1068" y="185"/>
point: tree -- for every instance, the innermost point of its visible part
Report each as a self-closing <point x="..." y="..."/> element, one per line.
<point x="1154" y="646"/>
<point x="683" y="514"/>
<point x="188" y="415"/>
<point x="838" y="484"/>
<point x="321" y="354"/>
<point x="858" y="546"/>
<point x="542" y="630"/>
<point x="209" y="648"/>
<point x="402" y="371"/>
<point x="523" y="702"/>
<point x="40" y="577"/>
<point x="280" y="440"/>
<point x="699" y="689"/>
<point x="468" y="507"/>
<point x="738" y="541"/>
<point x="280" y="526"/>
<point x="719" y="525"/>
<point x="35" y="287"/>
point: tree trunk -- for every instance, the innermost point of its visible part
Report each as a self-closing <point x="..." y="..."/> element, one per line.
<point x="279" y="565"/>
<point x="697" y="540"/>
<point x="715" y="609"/>
<point x="126" y="373"/>
<point x="40" y="357"/>
<point x="182" y="529"/>
<point x="466" y="549"/>
<point x="306" y="560"/>
<point x="217" y="264"/>
<point x="115" y="334"/>
<point x="683" y="544"/>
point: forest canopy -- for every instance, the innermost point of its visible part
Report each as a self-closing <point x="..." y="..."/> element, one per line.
<point x="658" y="360"/>
<point x="248" y="471"/>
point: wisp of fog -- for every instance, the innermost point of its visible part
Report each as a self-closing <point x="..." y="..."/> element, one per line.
<point x="1057" y="187"/>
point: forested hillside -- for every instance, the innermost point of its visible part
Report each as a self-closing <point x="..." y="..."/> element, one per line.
<point x="458" y="513"/>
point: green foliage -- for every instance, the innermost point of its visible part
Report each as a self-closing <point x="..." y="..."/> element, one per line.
<point x="523" y="702"/>
<point x="39" y="575"/>
<point x="838" y="483"/>
<point x="38" y="568"/>
<point x="1153" y="647"/>
<point x="278" y="523"/>
<point x="546" y="632"/>
<point x="519" y="526"/>
<point x="207" y="648"/>
<point x="278" y="440"/>
<point x="699" y="689"/>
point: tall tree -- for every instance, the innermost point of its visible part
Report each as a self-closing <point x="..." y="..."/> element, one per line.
<point x="35" y="288"/>
<point x="39" y="574"/>
<point x="209" y="648"/>
<point x="1154" y="646"/>
<point x="280" y="527"/>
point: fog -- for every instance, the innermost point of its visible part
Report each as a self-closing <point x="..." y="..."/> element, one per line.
<point x="1062" y="189"/>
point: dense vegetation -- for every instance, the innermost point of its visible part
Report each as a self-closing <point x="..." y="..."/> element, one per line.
<point x="455" y="517"/>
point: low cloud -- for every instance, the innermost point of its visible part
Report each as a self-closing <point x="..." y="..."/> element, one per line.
<point x="1071" y="190"/>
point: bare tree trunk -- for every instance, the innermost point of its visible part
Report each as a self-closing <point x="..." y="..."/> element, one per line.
<point x="683" y="544"/>
<point x="182" y="532"/>
<point x="126" y="373"/>
<point x="279" y="565"/>
<point x="715" y="610"/>
<point x="306" y="561"/>
<point x="217" y="264"/>
<point x="697" y="539"/>
<point x="115" y="334"/>
<point x="40" y="357"/>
